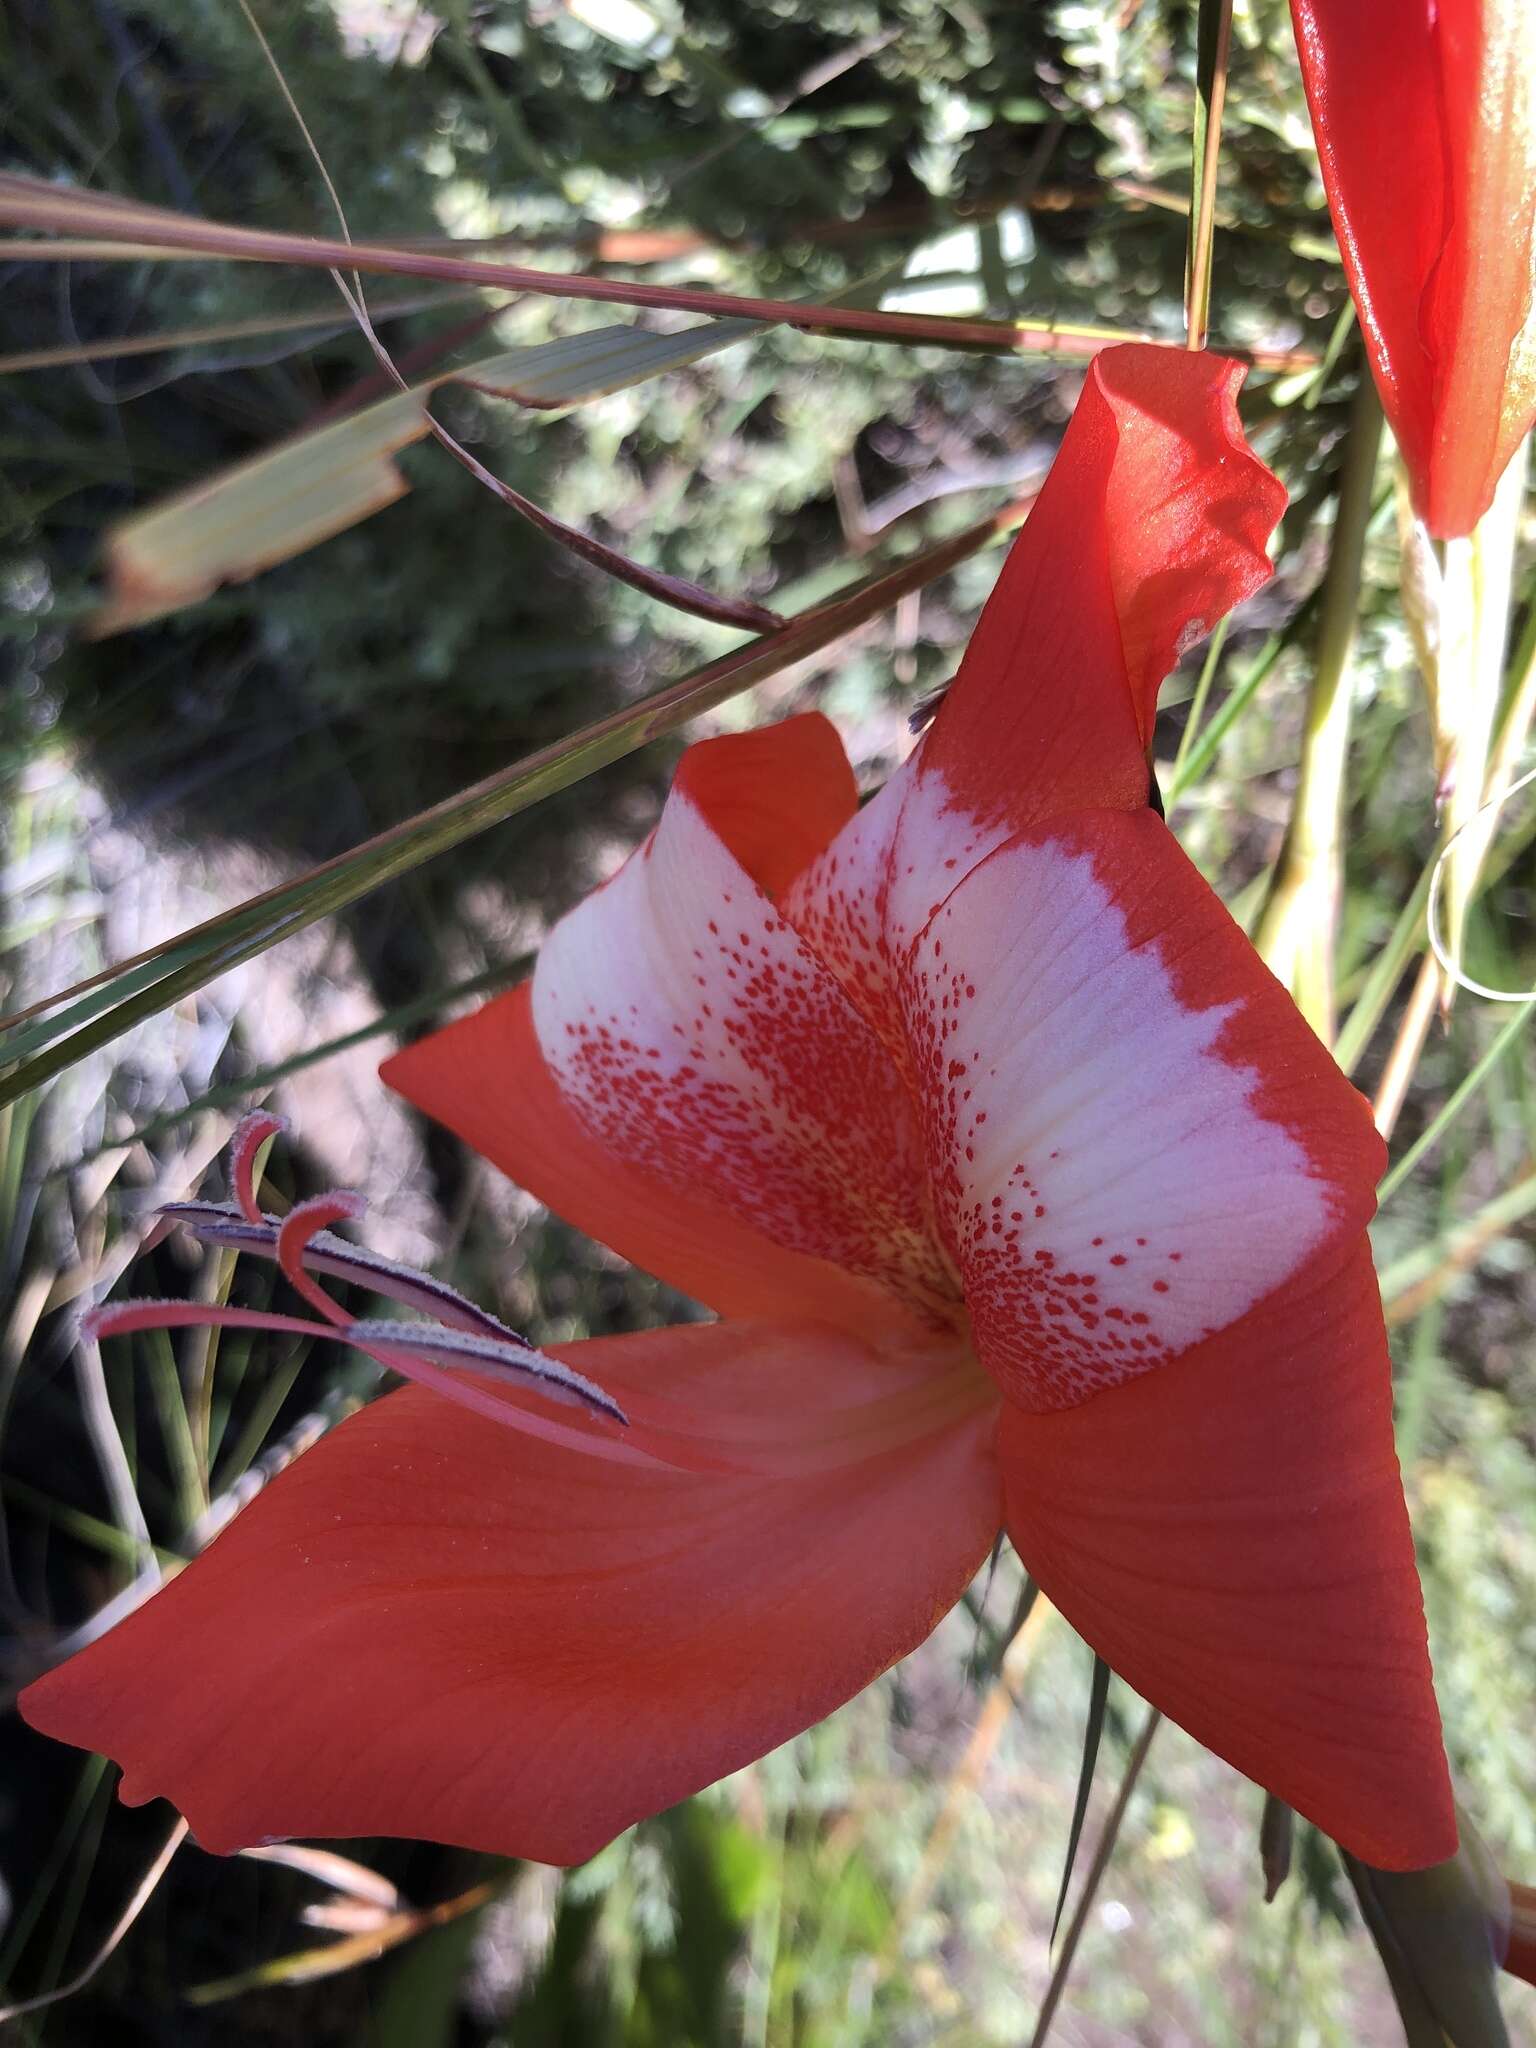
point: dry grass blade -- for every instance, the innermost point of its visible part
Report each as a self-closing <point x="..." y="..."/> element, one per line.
<point x="276" y="505"/>
<point x="1098" y="1694"/>
<point x="1412" y="1283"/>
<point x="173" y="339"/>
<point x="130" y="1913"/>
<point x="255" y="1085"/>
<point x="150" y="231"/>
<point x="675" y="591"/>
<point x="1465" y="674"/>
<point x="355" y="1880"/>
<point x="329" y="1961"/>
<point x="1460" y="1096"/>
<point x="1277" y="1840"/>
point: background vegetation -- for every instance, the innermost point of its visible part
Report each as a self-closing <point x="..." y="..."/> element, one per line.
<point x="891" y="1877"/>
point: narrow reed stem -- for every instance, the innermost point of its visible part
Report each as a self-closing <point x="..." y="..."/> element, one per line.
<point x="1095" y="1876"/>
<point x="1215" y="47"/>
<point x="1466" y="684"/>
<point x="1397" y="1075"/>
<point x="1476" y="591"/>
<point x="1295" y="929"/>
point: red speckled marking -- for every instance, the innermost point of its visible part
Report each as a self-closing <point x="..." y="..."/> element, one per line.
<point x="699" y="1037"/>
<point x="1062" y="1083"/>
<point x="1105" y="1184"/>
<point x="863" y="902"/>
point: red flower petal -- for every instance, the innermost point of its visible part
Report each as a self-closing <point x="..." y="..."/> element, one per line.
<point x="1425" y="116"/>
<point x="776" y="796"/>
<point x="428" y="1627"/>
<point x="1229" y="1535"/>
<point x="1132" y="1134"/>
<point x="1151" y="527"/>
<point x="694" y="1033"/>
<point x="486" y="1078"/>
<point x="705" y="1098"/>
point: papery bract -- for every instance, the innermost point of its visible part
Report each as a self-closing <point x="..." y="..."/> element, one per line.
<point x="1425" y="117"/>
<point x="1026" y="1198"/>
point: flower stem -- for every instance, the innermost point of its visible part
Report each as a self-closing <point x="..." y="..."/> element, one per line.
<point x="1474" y="630"/>
<point x="1295" y="929"/>
<point x="1397" y="1075"/>
<point x="1465" y="686"/>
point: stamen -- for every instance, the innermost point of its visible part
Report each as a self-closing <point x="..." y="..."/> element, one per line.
<point x="298" y="1227"/>
<point x="124" y="1318"/>
<point x="395" y="1345"/>
<point x="464" y="1354"/>
<point x="220" y="1223"/>
<point x="516" y="1362"/>
<point x="251" y="1133"/>
<point x="441" y="1358"/>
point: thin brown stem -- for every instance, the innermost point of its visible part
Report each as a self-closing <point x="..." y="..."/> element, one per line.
<point x="122" y="228"/>
<point x="1211" y="98"/>
<point x="1403" y="1060"/>
<point x="1101" y="1855"/>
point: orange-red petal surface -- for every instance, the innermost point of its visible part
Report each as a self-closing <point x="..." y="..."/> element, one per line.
<point x="1132" y="1134"/>
<point x="696" y="1035"/>
<point x="1152" y="525"/>
<point x="1229" y="1534"/>
<point x="485" y="1078"/>
<point x="776" y="796"/>
<point x="711" y="1078"/>
<point x="1425" y="117"/>
<point x="431" y="1627"/>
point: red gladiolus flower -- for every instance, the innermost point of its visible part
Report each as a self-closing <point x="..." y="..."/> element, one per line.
<point x="1026" y="1200"/>
<point x="1425" y="117"/>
